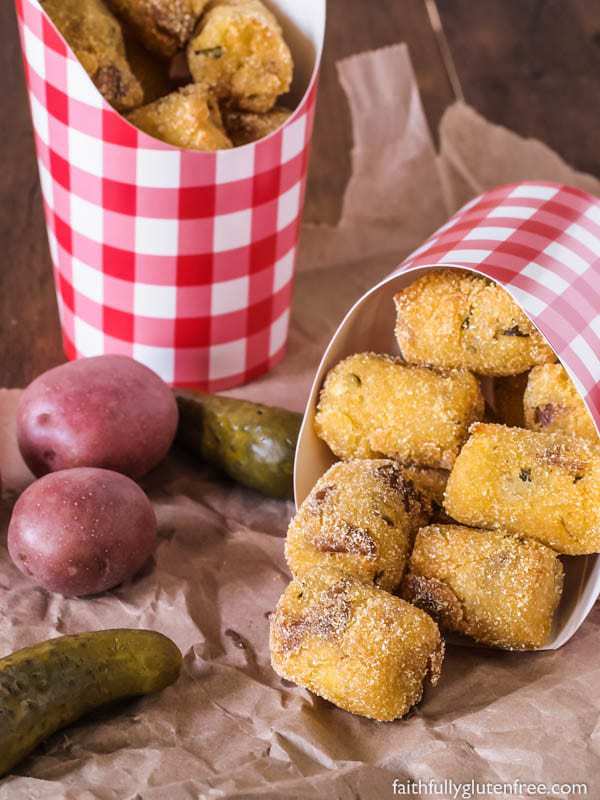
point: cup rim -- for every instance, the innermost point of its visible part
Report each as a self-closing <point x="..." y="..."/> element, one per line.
<point x="158" y="144"/>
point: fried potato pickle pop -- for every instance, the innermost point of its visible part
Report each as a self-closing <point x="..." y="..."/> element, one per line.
<point x="162" y="26"/>
<point x="239" y="52"/>
<point x="361" y="517"/>
<point x="374" y="405"/>
<point x="431" y="485"/>
<point x="353" y="644"/>
<point x="500" y="589"/>
<point x="552" y="403"/>
<point x="508" y="399"/>
<point x="187" y="118"/>
<point x="96" y="38"/>
<point x="542" y="485"/>
<point x="455" y="319"/>
<point x="244" y="127"/>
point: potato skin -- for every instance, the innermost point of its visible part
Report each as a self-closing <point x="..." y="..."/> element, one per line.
<point x="498" y="588"/>
<point x="357" y="646"/>
<point x="82" y="531"/>
<point x="361" y="516"/>
<point x="108" y="411"/>
<point x="552" y="404"/>
<point x="162" y="26"/>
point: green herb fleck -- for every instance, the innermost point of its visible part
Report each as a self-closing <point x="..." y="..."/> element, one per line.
<point x="210" y="52"/>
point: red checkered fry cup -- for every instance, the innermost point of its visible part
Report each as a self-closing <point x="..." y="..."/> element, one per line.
<point x="182" y="259"/>
<point x="541" y="242"/>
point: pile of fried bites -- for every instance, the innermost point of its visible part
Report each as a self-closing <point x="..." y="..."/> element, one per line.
<point x="458" y="505"/>
<point x="197" y="74"/>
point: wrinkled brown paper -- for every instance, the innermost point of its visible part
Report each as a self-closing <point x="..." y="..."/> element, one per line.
<point x="230" y="728"/>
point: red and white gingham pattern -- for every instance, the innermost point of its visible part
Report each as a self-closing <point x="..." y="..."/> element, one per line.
<point x="183" y="260"/>
<point x="541" y="241"/>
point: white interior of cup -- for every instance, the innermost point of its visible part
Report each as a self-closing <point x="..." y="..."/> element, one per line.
<point x="369" y="326"/>
<point x="304" y="30"/>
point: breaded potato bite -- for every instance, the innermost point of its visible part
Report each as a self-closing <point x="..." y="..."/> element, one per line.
<point x="96" y="38"/>
<point x="542" y="485"/>
<point x="353" y="644"/>
<point x="500" y="589"/>
<point x="455" y="319"/>
<point x="374" y="405"/>
<point x="239" y="52"/>
<point x="361" y="516"/>
<point x="552" y="404"/>
<point x="244" y="127"/>
<point x="431" y="485"/>
<point x="187" y="118"/>
<point x="162" y="26"/>
<point x="508" y="399"/>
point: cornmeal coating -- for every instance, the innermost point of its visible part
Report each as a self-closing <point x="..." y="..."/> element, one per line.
<point x="455" y="319"/>
<point x="374" y="405"/>
<point x="542" y="485"/>
<point x="361" y="516"/>
<point x="508" y="399"/>
<point x="244" y="127"/>
<point x="187" y="118"/>
<point x="500" y="589"/>
<point x="96" y="38"/>
<point x="162" y="26"/>
<point x="552" y="403"/>
<point x="353" y="644"/>
<point x="238" y="50"/>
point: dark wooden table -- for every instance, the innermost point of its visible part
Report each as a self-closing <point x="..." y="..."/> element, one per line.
<point x="532" y="65"/>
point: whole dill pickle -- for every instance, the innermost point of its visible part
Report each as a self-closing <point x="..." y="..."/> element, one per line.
<point x="252" y="443"/>
<point x="47" y="686"/>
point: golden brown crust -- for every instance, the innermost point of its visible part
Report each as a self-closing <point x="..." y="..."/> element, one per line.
<point x="187" y="118"/>
<point x="239" y="52"/>
<point x="326" y="619"/>
<point x="553" y="404"/>
<point x="244" y="127"/>
<point x="357" y="646"/>
<point x="500" y="589"/>
<point x="431" y="484"/>
<point x="365" y="397"/>
<point x="162" y="26"/>
<point x="456" y="319"/>
<point x="436" y="661"/>
<point x="436" y="598"/>
<point x="96" y="38"/>
<point x="361" y="516"/>
<point x="542" y="485"/>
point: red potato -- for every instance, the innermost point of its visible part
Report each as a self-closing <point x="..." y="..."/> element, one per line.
<point x="107" y="411"/>
<point x="82" y="531"/>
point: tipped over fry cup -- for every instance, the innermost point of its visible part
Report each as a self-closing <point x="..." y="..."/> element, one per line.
<point x="541" y="242"/>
